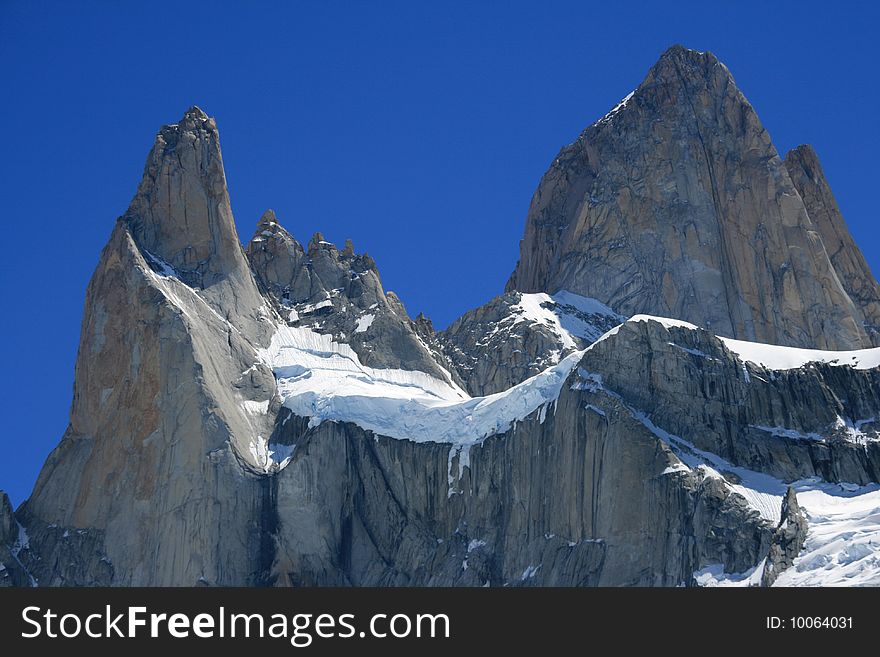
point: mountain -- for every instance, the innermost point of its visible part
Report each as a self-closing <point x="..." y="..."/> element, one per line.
<point x="676" y="203"/>
<point x="677" y="388"/>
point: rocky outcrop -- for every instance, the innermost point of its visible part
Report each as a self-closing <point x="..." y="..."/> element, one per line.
<point x="808" y="177"/>
<point x="787" y="540"/>
<point x="515" y="336"/>
<point x="340" y="293"/>
<point x="12" y="573"/>
<point x="8" y="525"/>
<point x="815" y="421"/>
<point x="492" y="360"/>
<point x="677" y="204"/>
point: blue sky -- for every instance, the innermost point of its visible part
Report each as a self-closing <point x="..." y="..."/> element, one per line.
<point x="420" y="130"/>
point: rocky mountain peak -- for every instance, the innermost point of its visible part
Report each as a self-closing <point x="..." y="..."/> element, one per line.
<point x="807" y="154"/>
<point x="267" y="220"/>
<point x="676" y="203"/>
<point x="318" y="242"/>
<point x="688" y="62"/>
<point x="268" y="233"/>
<point x="181" y="212"/>
<point x="424" y="325"/>
<point x="195" y="114"/>
<point x="340" y="294"/>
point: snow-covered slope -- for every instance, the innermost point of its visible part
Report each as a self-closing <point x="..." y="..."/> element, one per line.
<point x="774" y="357"/>
<point x="323" y="380"/>
<point x="842" y="546"/>
<point x="515" y="336"/>
<point x="843" y="540"/>
<point x="568" y="315"/>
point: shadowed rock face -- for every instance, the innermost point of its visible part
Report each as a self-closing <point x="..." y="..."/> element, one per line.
<point x="675" y="201"/>
<point x="12" y="572"/>
<point x="690" y="384"/>
<point x="529" y="507"/>
<point x="677" y="204"/>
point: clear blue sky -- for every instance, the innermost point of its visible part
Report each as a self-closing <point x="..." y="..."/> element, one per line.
<point x="420" y="130"/>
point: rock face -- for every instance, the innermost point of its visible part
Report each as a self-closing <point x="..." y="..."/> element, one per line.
<point x="787" y="541"/>
<point x="204" y="447"/>
<point x="677" y="204"/>
<point x="790" y="424"/>
<point x="859" y="283"/>
<point x="403" y="513"/>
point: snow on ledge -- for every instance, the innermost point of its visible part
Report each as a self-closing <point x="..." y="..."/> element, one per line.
<point x="324" y="380"/>
<point x="777" y="357"/>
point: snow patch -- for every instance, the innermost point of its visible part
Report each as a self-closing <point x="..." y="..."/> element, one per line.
<point x="842" y="547"/>
<point x="305" y="309"/>
<point x="22" y="542"/>
<point x="714" y="575"/>
<point x="531" y="307"/>
<point x="675" y="467"/>
<point x="161" y="267"/>
<point x="475" y="544"/>
<point x="693" y="352"/>
<point x="530" y="572"/>
<point x="255" y="407"/>
<point x="791" y="434"/>
<point x="617" y="108"/>
<point x="567" y="314"/>
<point x="463" y="452"/>
<point x="843" y="538"/>
<point x="853" y="430"/>
<point x="363" y="323"/>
